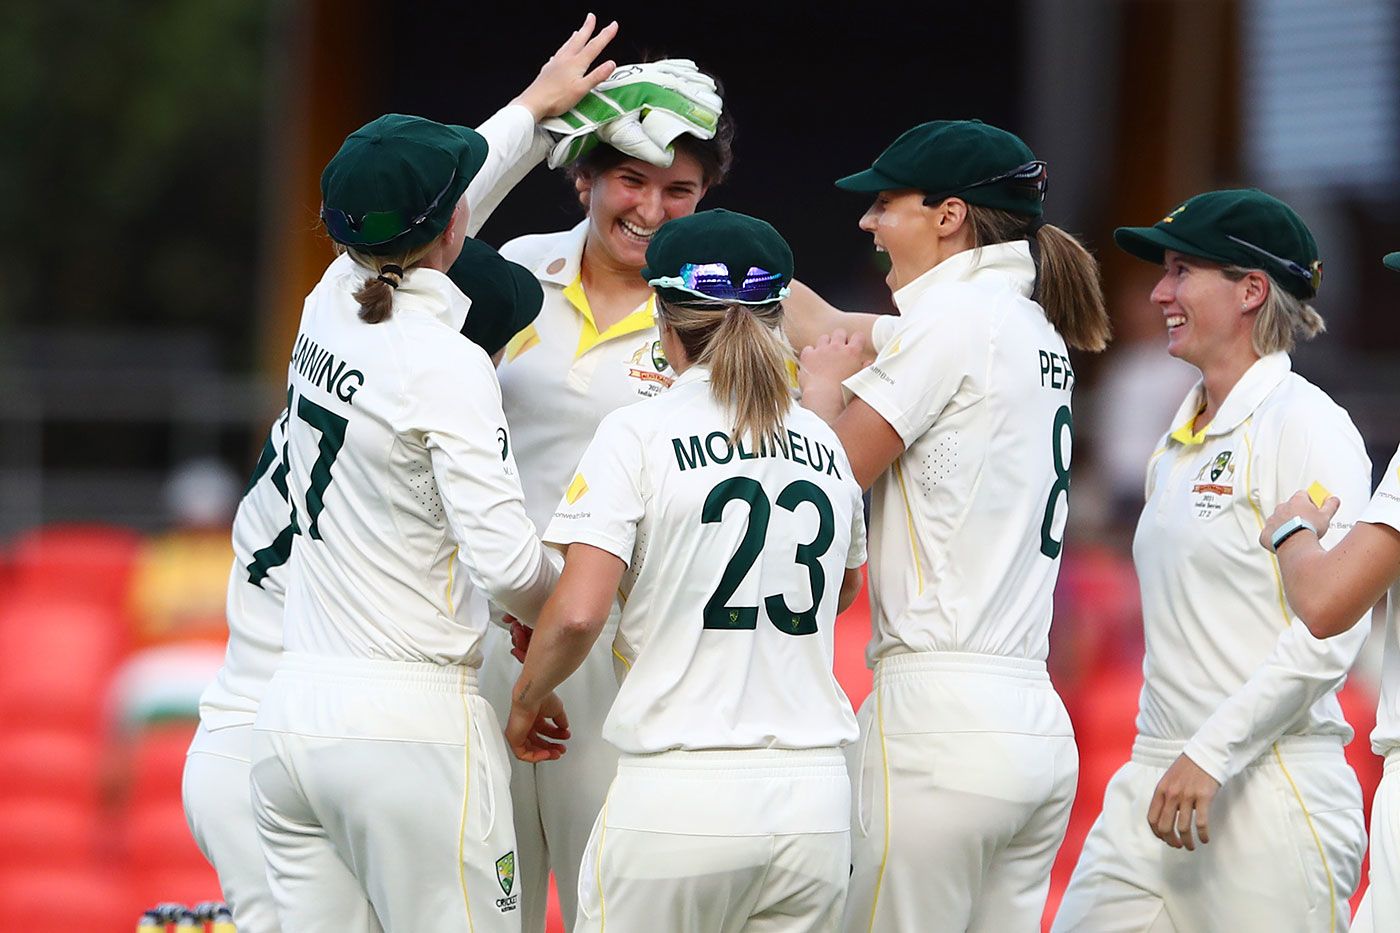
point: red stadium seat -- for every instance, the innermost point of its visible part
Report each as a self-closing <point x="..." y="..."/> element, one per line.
<point x="91" y="562"/>
<point x="55" y="660"/>
<point x="90" y="899"/>
<point x="48" y="763"/>
<point x="46" y="833"/>
<point x="154" y="837"/>
<point x="156" y="763"/>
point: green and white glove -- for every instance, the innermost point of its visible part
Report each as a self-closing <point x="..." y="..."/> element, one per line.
<point x="639" y="110"/>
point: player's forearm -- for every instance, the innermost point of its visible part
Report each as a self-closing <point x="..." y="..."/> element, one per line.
<point x="807" y="316"/>
<point x="516" y="145"/>
<point x="1331" y="590"/>
<point x="558" y="647"/>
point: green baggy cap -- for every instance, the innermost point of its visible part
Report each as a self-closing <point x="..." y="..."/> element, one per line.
<point x="394" y="183"/>
<point x="505" y="296"/>
<point x="1392" y="261"/>
<point x="1238" y="227"/>
<point x="980" y="163"/>
<point x="719" y="255"/>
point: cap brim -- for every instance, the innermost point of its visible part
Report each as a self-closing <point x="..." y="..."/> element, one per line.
<point x="1392" y="261"/>
<point x="870" y="181"/>
<point x="1151" y="244"/>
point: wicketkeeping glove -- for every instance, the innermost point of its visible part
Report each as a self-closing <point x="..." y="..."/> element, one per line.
<point x="639" y="110"/>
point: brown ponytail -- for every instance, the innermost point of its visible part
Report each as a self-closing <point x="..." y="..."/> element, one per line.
<point x="746" y="358"/>
<point x="1069" y="286"/>
<point x="376" y="295"/>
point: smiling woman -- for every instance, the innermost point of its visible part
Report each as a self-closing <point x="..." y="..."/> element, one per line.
<point x="595" y="347"/>
<point x="1239" y="732"/>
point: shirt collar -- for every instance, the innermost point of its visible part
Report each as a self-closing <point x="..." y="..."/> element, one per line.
<point x="1254" y="386"/>
<point x="1010" y="261"/>
<point x="426" y="290"/>
<point x="696" y="373"/>
<point x="569" y="249"/>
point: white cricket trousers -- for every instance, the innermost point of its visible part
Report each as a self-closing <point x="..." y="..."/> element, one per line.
<point x="382" y="799"/>
<point x="964" y="778"/>
<point x="1286" y="841"/>
<point x="557" y="802"/>
<point x="219" y="810"/>
<point x="1379" y="910"/>
<point x="718" y="842"/>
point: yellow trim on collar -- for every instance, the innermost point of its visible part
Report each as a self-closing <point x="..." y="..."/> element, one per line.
<point x="1183" y="434"/>
<point x="642" y="319"/>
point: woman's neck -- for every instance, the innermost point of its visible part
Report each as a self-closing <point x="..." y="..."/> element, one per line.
<point x="1219" y="380"/>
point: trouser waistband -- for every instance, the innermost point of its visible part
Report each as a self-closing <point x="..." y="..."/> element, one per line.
<point x="420" y="675"/>
<point x="915" y="662"/>
<point x="1160" y="753"/>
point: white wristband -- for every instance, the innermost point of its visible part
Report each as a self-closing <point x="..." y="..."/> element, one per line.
<point x="1288" y="529"/>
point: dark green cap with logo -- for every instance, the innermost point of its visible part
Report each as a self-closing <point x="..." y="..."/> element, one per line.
<point x="394" y="183"/>
<point x="1238" y="227"/>
<point x="969" y="159"/>
<point x="505" y="296"/>
<point x="719" y="255"/>
<point x="1392" y="261"/>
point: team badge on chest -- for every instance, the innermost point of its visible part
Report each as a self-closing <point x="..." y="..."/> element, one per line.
<point x="1214" y="485"/>
<point x="649" y="382"/>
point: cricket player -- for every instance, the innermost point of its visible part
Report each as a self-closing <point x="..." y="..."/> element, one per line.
<point x="595" y="347"/>
<point x="962" y="426"/>
<point x="728" y="519"/>
<point x="371" y="742"/>
<point x="1238" y="811"/>
<point x="1330" y="590"/>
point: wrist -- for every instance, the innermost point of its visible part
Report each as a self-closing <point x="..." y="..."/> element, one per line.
<point x="538" y="108"/>
<point x="1291" y="529"/>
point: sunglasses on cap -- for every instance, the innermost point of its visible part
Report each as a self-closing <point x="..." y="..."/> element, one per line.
<point x="1033" y="176"/>
<point x="375" y="228"/>
<point x="712" y="280"/>
<point x="1313" y="275"/>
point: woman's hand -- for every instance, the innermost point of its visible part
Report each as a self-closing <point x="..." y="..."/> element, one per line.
<point x="826" y="364"/>
<point x="1300" y="505"/>
<point x="566" y="77"/>
<point x="1182" y="798"/>
<point x="533" y="724"/>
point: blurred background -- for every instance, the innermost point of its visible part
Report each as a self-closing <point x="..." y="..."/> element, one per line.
<point x="158" y="204"/>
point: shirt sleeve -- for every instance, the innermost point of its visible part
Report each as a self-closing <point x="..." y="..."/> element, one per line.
<point x="457" y="409"/>
<point x="1384" y="507"/>
<point x="1301" y="669"/>
<point x="516" y="145"/>
<point x="606" y="500"/>
<point x="883" y="330"/>
<point x="922" y="365"/>
<point x="855" y="555"/>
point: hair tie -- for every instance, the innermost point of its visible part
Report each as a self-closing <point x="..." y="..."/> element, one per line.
<point x="1034" y="226"/>
<point x="387" y="270"/>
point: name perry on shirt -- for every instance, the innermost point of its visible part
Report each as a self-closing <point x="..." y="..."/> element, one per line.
<point x="1055" y="371"/>
<point x="693" y="453"/>
<point x="322" y="369"/>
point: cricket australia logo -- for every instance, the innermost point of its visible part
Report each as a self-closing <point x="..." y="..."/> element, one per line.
<point x="649" y="382"/>
<point x="1214" y="485"/>
<point x="505" y="874"/>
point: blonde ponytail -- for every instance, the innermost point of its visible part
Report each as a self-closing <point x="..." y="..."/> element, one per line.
<point x="748" y="361"/>
<point x="1069" y="287"/>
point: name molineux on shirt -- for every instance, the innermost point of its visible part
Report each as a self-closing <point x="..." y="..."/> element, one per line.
<point x="693" y="452"/>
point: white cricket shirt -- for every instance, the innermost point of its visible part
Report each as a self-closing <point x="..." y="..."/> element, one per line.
<point x="560" y="376"/>
<point x="400" y="462"/>
<point x="1229" y="668"/>
<point x="968" y="522"/>
<point x="735" y="559"/>
<point x="1384" y="509"/>
<point x="262" y="537"/>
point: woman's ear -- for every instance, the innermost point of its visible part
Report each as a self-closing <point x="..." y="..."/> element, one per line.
<point x="1253" y="291"/>
<point x="583" y="184"/>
